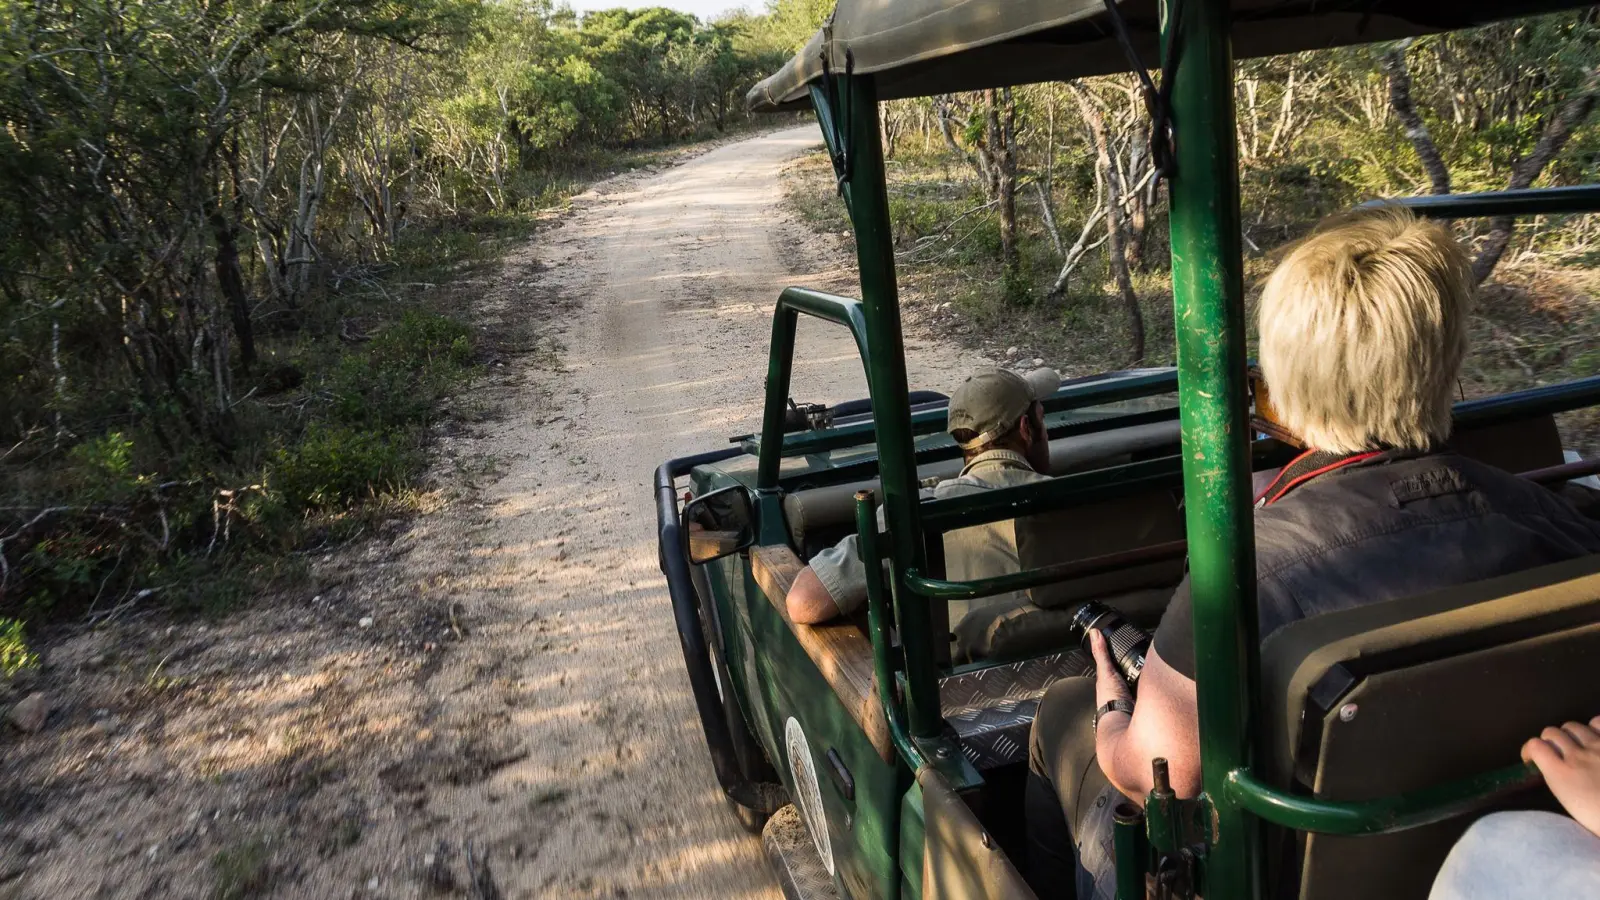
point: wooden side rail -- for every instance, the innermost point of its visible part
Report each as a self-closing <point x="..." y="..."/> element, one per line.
<point x="841" y="650"/>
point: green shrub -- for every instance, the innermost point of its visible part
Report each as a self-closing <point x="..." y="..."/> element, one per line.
<point x="399" y="378"/>
<point x="63" y="569"/>
<point x="367" y="393"/>
<point x="421" y="342"/>
<point x="105" y="467"/>
<point x="242" y="870"/>
<point x="335" y="466"/>
<point x="14" y="653"/>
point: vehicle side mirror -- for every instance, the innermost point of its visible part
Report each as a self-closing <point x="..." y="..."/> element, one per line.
<point x="718" y="524"/>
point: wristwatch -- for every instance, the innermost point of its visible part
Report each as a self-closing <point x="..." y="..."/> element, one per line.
<point x="1110" y="707"/>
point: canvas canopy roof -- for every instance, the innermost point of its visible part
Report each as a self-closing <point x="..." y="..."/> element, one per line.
<point x="922" y="47"/>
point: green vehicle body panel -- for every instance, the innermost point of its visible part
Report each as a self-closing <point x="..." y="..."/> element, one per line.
<point x="877" y="838"/>
<point x="913" y="831"/>
<point x="775" y="680"/>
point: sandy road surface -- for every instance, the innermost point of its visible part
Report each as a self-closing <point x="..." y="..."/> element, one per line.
<point x="489" y="700"/>
<point x="677" y="275"/>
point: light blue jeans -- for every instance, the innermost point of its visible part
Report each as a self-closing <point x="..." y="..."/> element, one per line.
<point x="1516" y="855"/>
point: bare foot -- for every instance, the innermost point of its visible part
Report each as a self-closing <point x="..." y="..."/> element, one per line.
<point x="1569" y="759"/>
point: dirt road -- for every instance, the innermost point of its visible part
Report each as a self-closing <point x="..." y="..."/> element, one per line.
<point x="677" y="274"/>
<point x="489" y="701"/>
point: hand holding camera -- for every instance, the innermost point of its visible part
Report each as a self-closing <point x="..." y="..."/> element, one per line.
<point x="1127" y="643"/>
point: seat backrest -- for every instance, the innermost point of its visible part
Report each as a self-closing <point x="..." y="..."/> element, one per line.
<point x="1521" y="445"/>
<point x="819" y="517"/>
<point x="1100" y="529"/>
<point x="1414" y="693"/>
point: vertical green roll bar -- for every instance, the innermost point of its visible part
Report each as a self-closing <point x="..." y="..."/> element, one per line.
<point x="868" y="200"/>
<point x="1208" y="308"/>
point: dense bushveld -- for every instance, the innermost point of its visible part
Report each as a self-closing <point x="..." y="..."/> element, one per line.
<point x="1032" y="218"/>
<point x="222" y="227"/>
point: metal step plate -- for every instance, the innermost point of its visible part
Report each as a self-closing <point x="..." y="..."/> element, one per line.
<point x="992" y="709"/>
<point x="794" y="857"/>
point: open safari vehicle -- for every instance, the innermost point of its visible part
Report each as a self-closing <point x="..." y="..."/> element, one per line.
<point x="1340" y="760"/>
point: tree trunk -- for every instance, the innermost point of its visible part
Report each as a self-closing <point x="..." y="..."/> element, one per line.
<point x="944" y="109"/>
<point x="1557" y="131"/>
<point x="1073" y="256"/>
<point x="1002" y="137"/>
<point x="1394" y="65"/>
<point x="1136" y="200"/>
<point x="231" y="279"/>
<point x="1118" y="257"/>
<point x="1116" y="250"/>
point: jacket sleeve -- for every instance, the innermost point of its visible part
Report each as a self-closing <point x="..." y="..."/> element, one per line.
<point x="842" y="572"/>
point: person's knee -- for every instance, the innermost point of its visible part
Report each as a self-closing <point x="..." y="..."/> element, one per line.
<point x="1503" y="854"/>
<point x="1066" y="709"/>
<point x="1516" y="828"/>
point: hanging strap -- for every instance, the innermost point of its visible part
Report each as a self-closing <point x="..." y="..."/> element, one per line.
<point x="1307" y="466"/>
<point x="843" y="119"/>
<point x="1157" y="99"/>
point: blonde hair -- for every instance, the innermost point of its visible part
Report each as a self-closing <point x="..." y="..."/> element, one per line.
<point x="1363" y="327"/>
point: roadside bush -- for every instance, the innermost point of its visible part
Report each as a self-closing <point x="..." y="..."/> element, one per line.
<point x="103" y="466"/>
<point x="97" y="520"/>
<point x="336" y="466"/>
<point x="422" y="342"/>
<point x="406" y="369"/>
<point x="14" y="653"/>
<point x="367" y="393"/>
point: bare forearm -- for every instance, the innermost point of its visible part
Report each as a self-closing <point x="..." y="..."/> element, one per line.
<point x="1163" y="725"/>
<point x="809" y="602"/>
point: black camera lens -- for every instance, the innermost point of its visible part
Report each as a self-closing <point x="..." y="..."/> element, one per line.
<point x="1128" y="643"/>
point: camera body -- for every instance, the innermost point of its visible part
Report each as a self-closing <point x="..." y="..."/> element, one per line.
<point x="1128" y="643"/>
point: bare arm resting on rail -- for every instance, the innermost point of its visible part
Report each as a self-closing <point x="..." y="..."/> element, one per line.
<point x="809" y="601"/>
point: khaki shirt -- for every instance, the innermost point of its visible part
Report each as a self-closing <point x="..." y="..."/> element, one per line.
<point x="982" y="551"/>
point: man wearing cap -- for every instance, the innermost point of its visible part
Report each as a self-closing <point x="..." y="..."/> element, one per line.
<point x="998" y="421"/>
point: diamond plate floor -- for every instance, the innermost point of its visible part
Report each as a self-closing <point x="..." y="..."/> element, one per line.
<point x="992" y="709"/>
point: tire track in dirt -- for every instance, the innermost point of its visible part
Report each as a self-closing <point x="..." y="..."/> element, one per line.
<point x="677" y="274"/>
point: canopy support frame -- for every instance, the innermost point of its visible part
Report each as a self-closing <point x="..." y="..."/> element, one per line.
<point x="1210" y="334"/>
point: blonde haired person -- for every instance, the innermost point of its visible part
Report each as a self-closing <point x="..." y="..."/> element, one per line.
<point x="1363" y="328"/>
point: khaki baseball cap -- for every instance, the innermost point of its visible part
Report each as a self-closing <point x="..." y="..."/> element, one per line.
<point x="991" y="401"/>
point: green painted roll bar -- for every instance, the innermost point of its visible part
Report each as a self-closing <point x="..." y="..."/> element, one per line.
<point x="932" y="421"/>
<point x="883" y="668"/>
<point x="1380" y="816"/>
<point x="939" y="589"/>
<point x="939" y="516"/>
<point x="1209" y="330"/>
<point x="780" y="363"/>
<point x="1215" y="464"/>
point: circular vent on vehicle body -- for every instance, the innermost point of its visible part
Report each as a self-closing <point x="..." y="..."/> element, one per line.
<point x="807" y="795"/>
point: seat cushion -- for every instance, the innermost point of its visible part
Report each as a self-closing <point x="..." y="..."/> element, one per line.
<point x="1020" y="629"/>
